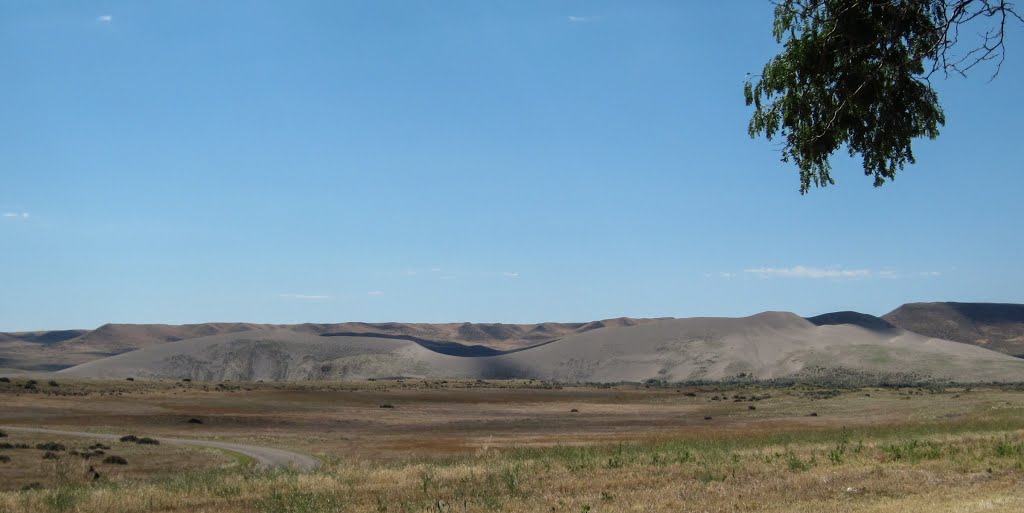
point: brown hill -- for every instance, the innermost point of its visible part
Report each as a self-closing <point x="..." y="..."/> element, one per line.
<point x="995" y="326"/>
<point x="856" y="318"/>
<point x="24" y="350"/>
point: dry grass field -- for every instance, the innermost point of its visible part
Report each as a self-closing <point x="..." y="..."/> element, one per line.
<point x="419" y="446"/>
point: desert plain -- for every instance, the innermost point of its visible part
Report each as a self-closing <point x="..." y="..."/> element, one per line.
<point x="420" y="445"/>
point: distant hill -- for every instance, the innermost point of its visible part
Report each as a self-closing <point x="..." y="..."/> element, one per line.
<point x="855" y="318"/>
<point x="55" y="350"/>
<point x="995" y="326"/>
<point x="767" y="345"/>
<point x="26" y="350"/>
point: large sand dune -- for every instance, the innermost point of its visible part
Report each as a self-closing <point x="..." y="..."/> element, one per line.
<point x="767" y="345"/>
<point x="54" y="350"/>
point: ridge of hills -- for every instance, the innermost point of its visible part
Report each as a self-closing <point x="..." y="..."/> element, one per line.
<point x="995" y="326"/>
<point x="55" y="350"/>
<point x="764" y="346"/>
<point x="512" y="350"/>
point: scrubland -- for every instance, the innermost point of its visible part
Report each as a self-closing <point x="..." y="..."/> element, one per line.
<point x="520" y="446"/>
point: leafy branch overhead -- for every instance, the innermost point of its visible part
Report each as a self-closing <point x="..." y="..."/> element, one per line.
<point x="857" y="73"/>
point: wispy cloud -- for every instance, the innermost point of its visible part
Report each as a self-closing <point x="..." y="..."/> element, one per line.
<point x="800" y="271"/>
<point x="312" y="297"/>
<point x="447" y="277"/>
<point x="375" y="293"/>
<point x="582" y="19"/>
<point x="893" y="274"/>
<point x="510" y="274"/>
<point x="15" y="215"/>
<point x="106" y="18"/>
<point x="831" y="272"/>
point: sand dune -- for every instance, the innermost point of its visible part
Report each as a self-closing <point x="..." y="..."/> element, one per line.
<point x="768" y="345"/>
<point x="54" y="350"/>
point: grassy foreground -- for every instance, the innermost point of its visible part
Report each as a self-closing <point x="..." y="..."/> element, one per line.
<point x="975" y="466"/>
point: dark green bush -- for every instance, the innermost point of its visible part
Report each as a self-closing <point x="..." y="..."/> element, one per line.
<point x="115" y="460"/>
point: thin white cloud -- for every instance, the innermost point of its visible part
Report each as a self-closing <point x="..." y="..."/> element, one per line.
<point x="581" y="19"/>
<point x="375" y="293"/>
<point x="106" y="18"/>
<point x="435" y="269"/>
<point x="800" y="271"/>
<point x="447" y="277"/>
<point x="510" y="274"/>
<point x="312" y="297"/>
<point x="893" y="274"/>
<point x="16" y="215"/>
<point x="831" y="272"/>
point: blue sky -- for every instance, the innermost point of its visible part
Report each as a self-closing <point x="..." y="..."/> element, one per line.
<point x="524" y="161"/>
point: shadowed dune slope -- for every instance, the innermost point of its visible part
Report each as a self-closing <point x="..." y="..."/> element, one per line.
<point x="995" y="326"/>
<point x="768" y="345"/>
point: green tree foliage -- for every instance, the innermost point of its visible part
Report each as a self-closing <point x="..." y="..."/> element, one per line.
<point x="856" y="73"/>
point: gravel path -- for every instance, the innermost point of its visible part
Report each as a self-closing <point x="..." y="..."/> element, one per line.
<point x="264" y="456"/>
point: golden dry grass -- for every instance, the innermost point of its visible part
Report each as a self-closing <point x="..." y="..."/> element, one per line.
<point x="471" y="446"/>
<point x="27" y="466"/>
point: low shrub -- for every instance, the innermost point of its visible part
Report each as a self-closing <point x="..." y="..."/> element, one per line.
<point x="129" y="438"/>
<point x="386" y="405"/>
<point x="115" y="460"/>
<point x="50" y="446"/>
<point x="50" y="455"/>
<point x="147" y="441"/>
<point x="4" y="458"/>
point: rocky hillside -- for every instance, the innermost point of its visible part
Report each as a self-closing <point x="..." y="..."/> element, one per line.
<point x="995" y="326"/>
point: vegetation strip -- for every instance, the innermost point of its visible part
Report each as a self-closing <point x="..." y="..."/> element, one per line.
<point x="263" y="456"/>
